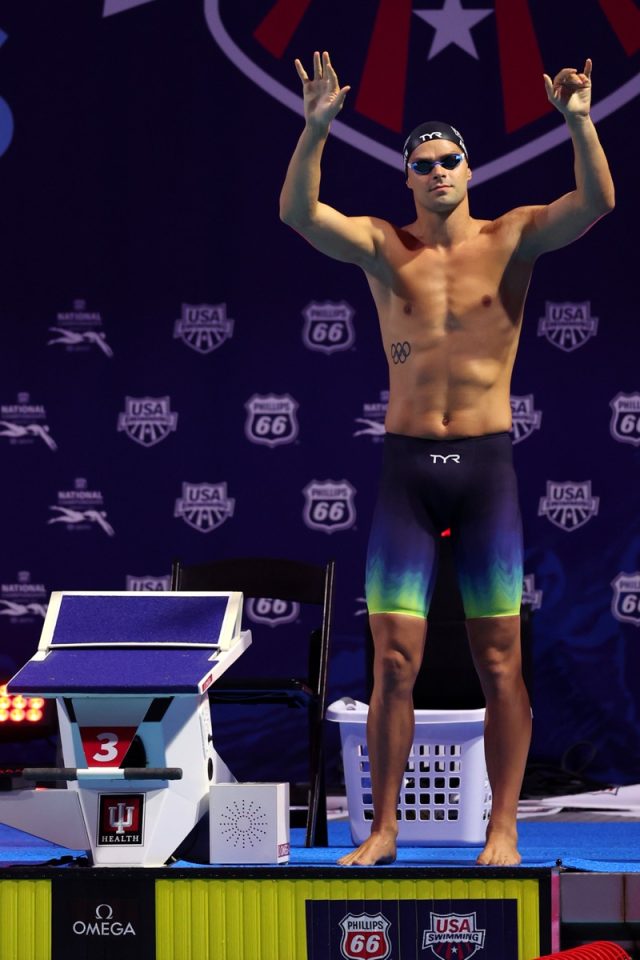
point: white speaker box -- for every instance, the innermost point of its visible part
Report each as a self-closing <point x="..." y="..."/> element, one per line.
<point x="249" y="823"/>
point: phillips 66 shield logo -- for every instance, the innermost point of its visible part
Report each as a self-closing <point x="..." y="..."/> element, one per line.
<point x="271" y="419"/>
<point x="328" y="327"/>
<point x="329" y="505"/>
<point x="365" y="936"/>
<point x="625" y="605"/>
<point x="625" y="420"/>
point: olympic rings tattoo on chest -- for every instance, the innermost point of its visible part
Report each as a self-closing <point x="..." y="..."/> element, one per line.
<point x="400" y="351"/>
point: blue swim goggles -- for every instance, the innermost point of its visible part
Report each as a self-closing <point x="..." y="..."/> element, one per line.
<point x="449" y="162"/>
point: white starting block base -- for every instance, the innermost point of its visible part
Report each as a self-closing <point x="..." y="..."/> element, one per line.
<point x="249" y="823"/>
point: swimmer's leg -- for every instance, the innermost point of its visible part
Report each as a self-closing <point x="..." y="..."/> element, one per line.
<point x="398" y="647"/>
<point x="487" y="544"/>
<point x="495" y="646"/>
<point x="401" y="566"/>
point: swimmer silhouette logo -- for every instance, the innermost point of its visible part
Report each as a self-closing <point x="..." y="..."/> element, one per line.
<point x="328" y="326"/>
<point x="365" y="936"/>
<point x="517" y="122"/>
<point x="329" y="505"/>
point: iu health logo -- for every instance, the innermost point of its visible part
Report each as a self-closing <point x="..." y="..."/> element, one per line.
<point x="625" y="419"/>
<point x="568" y="325"/>
<point x="147" y="420"/>
<point x="625" y="605"/>
<point x="204" y="326"/>
<point x="79" y="330"/>
<point x="329" y="505"/>
<point x="524" y="417"/>
<point x="271" y="419"/>
<point x="453" y="935"/>
<point x="204" y="506"/>
<point x="81" y="509"/>
<point x="328" y="326"/>
<point x="365" y="936"/>
<point x="120" y="819"/>
<point x="568" y="505"/>
<point x="24" y="423"/>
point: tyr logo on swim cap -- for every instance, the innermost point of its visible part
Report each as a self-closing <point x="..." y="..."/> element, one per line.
<point x="432" y="130"/>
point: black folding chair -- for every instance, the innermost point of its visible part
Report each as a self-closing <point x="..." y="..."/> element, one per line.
<point x="289" y="580"/>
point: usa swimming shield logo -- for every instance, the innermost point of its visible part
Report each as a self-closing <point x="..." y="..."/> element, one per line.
<point x="625" y="419"/>
<point x="524" y="418"/>
<point x="453" y="935"/>
<point x="405" y="47"/>
<point x="204" y="506"/>
<point x="271" y="419"/>
<point x="625" y="605"/>
<point x="365" y="936"/>
<point x="204" y="327"/>
<point x="568" y="505"/>
<point x="568" y="325"/>
<point x="329" y="505"/>
<point x="328" y="326"/>
<point x="147" y="420"/>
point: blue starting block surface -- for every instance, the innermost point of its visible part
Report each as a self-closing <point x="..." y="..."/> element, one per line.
<point x="133" y="643"/>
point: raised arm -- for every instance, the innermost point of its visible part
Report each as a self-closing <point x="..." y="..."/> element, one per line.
<point x="352" y="239"/>
<point x="568" y="217"/>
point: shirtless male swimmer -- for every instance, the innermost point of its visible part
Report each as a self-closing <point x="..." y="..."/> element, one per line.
<point x="450" y="293"/>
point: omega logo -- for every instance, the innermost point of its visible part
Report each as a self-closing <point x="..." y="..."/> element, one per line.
<point x="104" y="925"/>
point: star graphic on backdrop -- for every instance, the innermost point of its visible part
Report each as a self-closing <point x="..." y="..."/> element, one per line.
<point x="452" y="25"/>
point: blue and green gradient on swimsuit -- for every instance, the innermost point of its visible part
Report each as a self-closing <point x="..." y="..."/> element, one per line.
<point x="404" y="591"/>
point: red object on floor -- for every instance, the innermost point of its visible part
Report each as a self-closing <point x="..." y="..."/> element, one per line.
<point x="592" y="951"/>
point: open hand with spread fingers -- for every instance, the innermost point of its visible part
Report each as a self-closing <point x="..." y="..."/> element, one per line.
<point x="323" y="95"/>
<point x="570" y="91"/>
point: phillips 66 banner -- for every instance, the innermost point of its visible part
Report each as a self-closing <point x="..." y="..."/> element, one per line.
<point x="183" y="376"/>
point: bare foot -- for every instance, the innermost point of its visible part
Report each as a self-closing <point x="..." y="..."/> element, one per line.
<point x="379" y="848"/>
<point x="501" y="848"/>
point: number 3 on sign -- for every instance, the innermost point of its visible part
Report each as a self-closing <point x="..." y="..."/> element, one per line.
<point x="106" y="747"/>
<point x="108" y="752"/>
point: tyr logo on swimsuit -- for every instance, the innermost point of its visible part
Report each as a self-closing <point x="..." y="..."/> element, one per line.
<point x="441" y="456"/>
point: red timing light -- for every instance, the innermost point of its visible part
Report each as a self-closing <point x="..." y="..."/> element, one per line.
<point x="17" y="709"/>
<point x="446" y="533"/>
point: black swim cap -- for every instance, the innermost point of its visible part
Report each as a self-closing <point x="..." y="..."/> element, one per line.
<point x="431" y="130"/>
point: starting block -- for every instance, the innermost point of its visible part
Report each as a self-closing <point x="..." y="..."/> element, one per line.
<point x="130" y="674"/>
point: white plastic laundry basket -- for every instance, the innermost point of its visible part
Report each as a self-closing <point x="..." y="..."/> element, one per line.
<point x="445" y="797"/>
